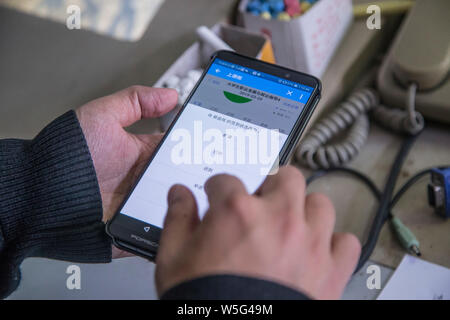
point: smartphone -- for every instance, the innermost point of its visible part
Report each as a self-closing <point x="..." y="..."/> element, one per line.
<point x="244" y="117"/>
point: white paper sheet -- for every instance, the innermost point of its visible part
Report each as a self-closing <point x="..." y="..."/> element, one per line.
<point x="416" y="279"/>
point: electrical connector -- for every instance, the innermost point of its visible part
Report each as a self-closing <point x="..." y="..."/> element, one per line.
<point x="405" y="236"/>
<point x="439" y="191"/>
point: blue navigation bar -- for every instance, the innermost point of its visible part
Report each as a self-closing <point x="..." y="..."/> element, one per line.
<point x="261" y="81"/>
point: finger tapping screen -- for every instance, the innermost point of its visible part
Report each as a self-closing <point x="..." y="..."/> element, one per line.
<point x="236" y="122"/>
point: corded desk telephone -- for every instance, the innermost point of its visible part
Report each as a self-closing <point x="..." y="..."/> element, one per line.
<point x="413" y="76"/>
<point x="420" y="54"/>
<point x="412" y="85"/>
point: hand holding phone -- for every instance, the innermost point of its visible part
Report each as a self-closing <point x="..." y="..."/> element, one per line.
<point x="118" y="155"/>
<point x="244" y="118"/>
<point x="277" y="234"/>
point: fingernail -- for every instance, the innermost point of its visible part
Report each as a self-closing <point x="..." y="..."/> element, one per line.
<point x="175" y="194"/>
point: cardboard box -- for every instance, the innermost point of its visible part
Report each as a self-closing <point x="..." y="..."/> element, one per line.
<point x="198" y="56"/>
<point x="308" y="42"/>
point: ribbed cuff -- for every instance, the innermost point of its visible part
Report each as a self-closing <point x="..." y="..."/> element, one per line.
<point x="231" y="287"/>
<point x="50" y="202"/>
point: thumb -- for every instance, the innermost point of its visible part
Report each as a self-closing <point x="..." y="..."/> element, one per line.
<point x="180" y="222"/>
<point x="135" y="103"/>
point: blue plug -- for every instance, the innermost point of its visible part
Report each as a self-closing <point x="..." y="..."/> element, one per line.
<point x="439" y="191"/>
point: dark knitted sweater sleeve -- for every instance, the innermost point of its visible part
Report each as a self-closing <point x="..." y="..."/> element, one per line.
<point x="50" y="206"/>
<point x="232" y="287"/>
<point x="50" y="203"/>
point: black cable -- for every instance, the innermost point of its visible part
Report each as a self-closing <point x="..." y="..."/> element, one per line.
<point x="383" y="212"/>
<point x="361" y="176"/>
<point x="405" y="188"/>
<point x="412" y="181"/>
<point x="408" y="184"/>
<point x="386" y="205"/>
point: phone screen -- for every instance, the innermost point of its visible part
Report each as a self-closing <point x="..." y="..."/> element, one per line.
<point x="236" y="122"/>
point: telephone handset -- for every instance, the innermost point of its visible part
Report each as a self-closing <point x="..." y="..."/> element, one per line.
<point x="420" y="54"/>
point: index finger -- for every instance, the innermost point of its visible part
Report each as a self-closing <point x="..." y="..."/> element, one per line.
<point x="221" y="187"/>
<point x="286" y="189"/>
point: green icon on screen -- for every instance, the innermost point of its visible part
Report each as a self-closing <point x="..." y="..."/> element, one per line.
<point x="236" y="98"/>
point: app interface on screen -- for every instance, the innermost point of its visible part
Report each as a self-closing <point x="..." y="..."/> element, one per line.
<point x="236" y="122"/>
